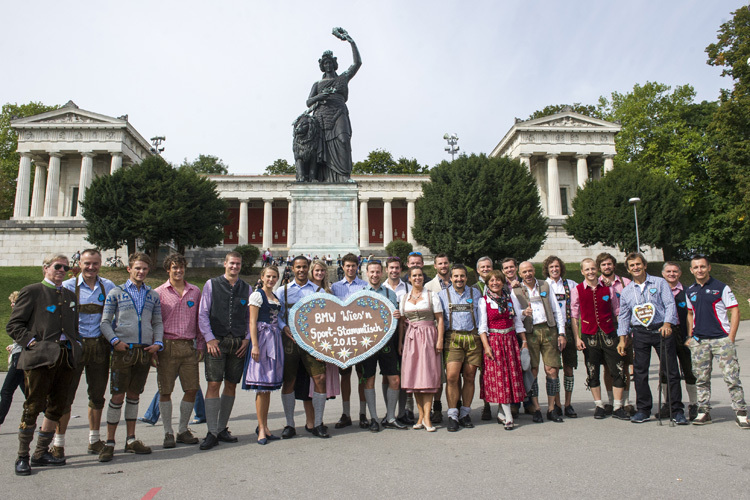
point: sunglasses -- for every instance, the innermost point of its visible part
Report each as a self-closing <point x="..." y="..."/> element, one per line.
<point x="415" y="253"/>
<point x="61" y="266"/>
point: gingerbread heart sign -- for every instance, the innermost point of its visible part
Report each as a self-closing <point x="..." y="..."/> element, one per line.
<point x="645" y="313"/>
<point x="343" y="332"/>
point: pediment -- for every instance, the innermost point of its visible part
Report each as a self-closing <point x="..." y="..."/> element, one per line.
<point x="569" y="120"/>
<point x="70" y="114"/>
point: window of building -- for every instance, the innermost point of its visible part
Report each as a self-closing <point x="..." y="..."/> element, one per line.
<point x="74" y="202"/>
<point x="564" y="201"/>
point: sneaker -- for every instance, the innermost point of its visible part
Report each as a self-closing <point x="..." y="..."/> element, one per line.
<point x="344" y="421"/>
<point x="107" y="453"/>
<point x="57" y="452"/>
<point x="486" y="412"/>
<point x="692" y="412"/>
<point x="640" y="417"/>
<point x="187" y="438"/>
<point x="608" y="409"/>
<point x="452" y="424"/>
<point x="96" y="448"/>
<point x="599" y="413"/>
<point x="703" y="418"/>
<point x="741" y="420"/>
<point x="621" y="414"/>
<point x="137" y="447"/>
<point x="679" y="418"/>
<point x="169" y="441"/>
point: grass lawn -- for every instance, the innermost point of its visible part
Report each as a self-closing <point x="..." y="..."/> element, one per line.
<point x="15" y="278"/>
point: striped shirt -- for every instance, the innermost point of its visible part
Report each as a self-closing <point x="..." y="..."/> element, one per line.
<point x="180" y="313"/>
<point x="654" y="290"/>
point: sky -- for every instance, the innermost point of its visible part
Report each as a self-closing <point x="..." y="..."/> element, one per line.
<point x="228" y="78"/>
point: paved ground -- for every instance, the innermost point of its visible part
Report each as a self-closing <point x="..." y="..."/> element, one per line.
<point x="535" y="460"/>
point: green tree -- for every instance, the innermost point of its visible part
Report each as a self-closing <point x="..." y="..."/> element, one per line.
<point x="206" y="164"/>
<point x="577" y="107"/>
<point x="476" y="206"/>
<point x="280" y="167"/>
<point x="602" y="213"/>
<point x="9" y="159"/>
<point x="380" y="161"/>
<point x="399" y="248"/>
<point x="155" y="203"/>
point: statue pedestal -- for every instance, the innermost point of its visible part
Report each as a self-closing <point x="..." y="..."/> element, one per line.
<point x="323" y="219"/>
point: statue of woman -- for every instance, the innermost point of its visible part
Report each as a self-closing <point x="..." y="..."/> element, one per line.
<point x="328" y="104"/>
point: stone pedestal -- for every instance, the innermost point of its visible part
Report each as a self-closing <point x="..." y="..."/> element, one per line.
<point x="323" y="219"/>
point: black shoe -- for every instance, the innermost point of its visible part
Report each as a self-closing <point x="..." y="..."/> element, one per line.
<point x="363" y="422"/>
<point x="409" y="418"/>
<point x="436" y="416"/>
<point x="290" y="432"/>
<point x="537" y="418"/>
<point x="466" y="422"/>
<point x="395" y="425"/>
<point x="374" y="426"/>
<point x="599" y="413"/>
<point x="226" y="436"/>
<point x="552" y="416"/>
<point x="621" y="414"/>
<point x="527" y="410"/>
<point x="344" y="421"/>
<point x="321" y="431"/>
<point x="209" y="442"/>
<point x="608" y="409"/>
<point x="663" y="411"/>
<point x="692" y="412"/>
<point x="486" y="412"/>
<point x="22" y="466"/>
<point x="47" y="459"/>
<point x="630" y="410"/>
<point x="309" y="429"/>
<point x="452" y="424"/>
<point x="558" y="410"/>
<point x="514" y="412"/>
<point x="570" y="412"/>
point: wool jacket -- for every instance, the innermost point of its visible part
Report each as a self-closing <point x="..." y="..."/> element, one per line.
<point x="121" y="319"/>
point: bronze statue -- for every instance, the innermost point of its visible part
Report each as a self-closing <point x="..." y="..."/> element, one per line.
<point x="322" y="150"/>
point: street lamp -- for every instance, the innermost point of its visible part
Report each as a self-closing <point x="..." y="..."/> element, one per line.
<point x="156" y="141"/>
<point x="452" y="147"/>
<point x="634" y="202"/>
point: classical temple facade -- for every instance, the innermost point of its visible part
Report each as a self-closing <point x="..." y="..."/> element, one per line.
<point x="68" y="147"/>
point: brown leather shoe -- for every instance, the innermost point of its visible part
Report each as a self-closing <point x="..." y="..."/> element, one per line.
<point x="187" y="438"/>
<point x="96" y="448"/>
<point x="58" y="451"/>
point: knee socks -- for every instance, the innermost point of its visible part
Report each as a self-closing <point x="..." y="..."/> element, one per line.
<point x="391" y="402"/>
<point x="553" y="387"/>
<point x="165" y="407"/>
<point x="371" y="403"/>
<point x="319" y="405"/>
<point x="225" y="409"/>
<point x="288" y="402"/>
<point x="212" y="415"/>
<point x="186" y="409"/>
<point x="114" y="411"/>
<point x="568" y="381"/>
<point x="131" y="409"/>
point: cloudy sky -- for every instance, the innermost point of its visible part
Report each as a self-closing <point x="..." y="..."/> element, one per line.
<point x="227" y="78"/>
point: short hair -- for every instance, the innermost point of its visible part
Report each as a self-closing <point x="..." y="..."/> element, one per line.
<point x="13" y="297"/>
<point x="699" y="256"/>
<point x="633" y="256"/>
<point x="139" y="256"/>
<point x="605" y="256"/>
<point x="91" y="251"/>
<point x="412" y="268"/>
<point x="548" y="261"/>
<point x="49" y="259"/>
<point x="415" y="254"/>
<point x="509" y="259"/>
<point x="234" y="254"/>
<point x="496" y="273"/>
<point x="374" y="263"/>
<point x="391" y="260"/>
<point x="442" y="255"/>
<point x="670" y="263"/>
<point x="588" y="259"/>
<point x="350" y="257"/>
<point x="269" y="268"/>
<point x="174" y="258"/>
<point x="482" y="259"/>
<point x="459" y="267"/>
<point x="300" y="257"/>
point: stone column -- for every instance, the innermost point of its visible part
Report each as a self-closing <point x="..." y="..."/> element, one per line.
<point x="116" y="163"/>
<point x="410" y="218"/>
<point x="23" y="184"/>
<point x="526" y="160"/>
<point x="267" y="223"/>
<point x="387" y="221"/>
<point x="53" y="185"/>
<point x="37" y="196"/>
<point x="582" y="168"/>
<point x="364" y="224"/>
<point x="84" y="181"/>
<point x="290" y="223"/>
<point x="609" y="163"/>
<point x="554" y="206"/>
<point x="242" y="230"/>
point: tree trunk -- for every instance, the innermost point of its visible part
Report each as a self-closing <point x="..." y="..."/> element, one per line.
<point x="131" y="248"/>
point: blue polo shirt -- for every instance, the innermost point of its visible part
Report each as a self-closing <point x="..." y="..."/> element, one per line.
<point x="709" y="303"/>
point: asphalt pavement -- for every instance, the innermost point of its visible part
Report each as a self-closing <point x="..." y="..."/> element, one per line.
<point x="581" y="457"/>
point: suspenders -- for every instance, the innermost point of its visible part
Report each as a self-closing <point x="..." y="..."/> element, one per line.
<point x="460" y="308"/>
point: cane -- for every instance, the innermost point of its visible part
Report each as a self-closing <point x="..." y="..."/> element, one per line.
<point x="669" y="392"/>
<point x="661" y="360"/>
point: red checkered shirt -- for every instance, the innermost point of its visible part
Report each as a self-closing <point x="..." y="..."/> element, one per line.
<point x="180" y="314"/>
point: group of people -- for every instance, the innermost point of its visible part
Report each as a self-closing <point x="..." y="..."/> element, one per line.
<point x="503" y="327"/>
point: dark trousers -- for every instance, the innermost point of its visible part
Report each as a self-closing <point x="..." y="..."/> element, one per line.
<point x="643" y="341"/>
<point x="47" y="390"/>
<point x="13" y="380"/>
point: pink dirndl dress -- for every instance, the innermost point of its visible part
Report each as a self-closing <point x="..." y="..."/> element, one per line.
<point x="420" y="362"/>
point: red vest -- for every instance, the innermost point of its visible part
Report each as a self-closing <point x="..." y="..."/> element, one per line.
<point x="595" y="309"/>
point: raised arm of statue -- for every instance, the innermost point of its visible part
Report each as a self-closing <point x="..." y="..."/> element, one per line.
<point x="343" y="35"/>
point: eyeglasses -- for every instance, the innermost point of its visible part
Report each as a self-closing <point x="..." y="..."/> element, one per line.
<point x="415" y="253"/>
<point x="375" y="261"/>
<point x="61" y="266"/>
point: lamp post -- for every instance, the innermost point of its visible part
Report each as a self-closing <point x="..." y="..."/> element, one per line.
<point x="634" y="202"/>
<point x="452" y="148"/>
<point x="156" y="141"/>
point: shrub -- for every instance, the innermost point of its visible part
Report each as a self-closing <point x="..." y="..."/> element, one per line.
<point x="400" y="249"/>
<point x="250" y="255"/>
